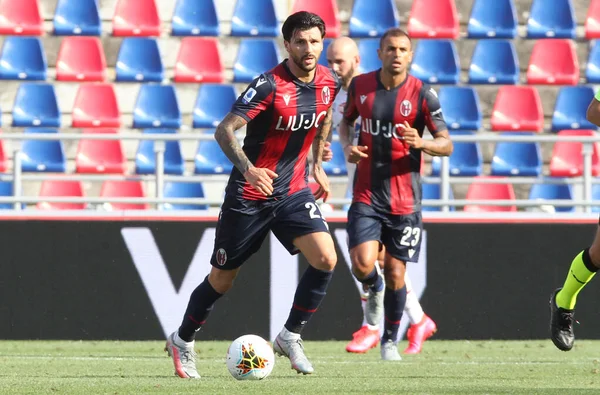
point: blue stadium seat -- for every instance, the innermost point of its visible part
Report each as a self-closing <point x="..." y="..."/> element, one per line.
<point x="337" y="166"/>
<point x="214" y="101"/>
<point x="156" y="107"/>
<point x="516" y="158"/>
<point x="494" y="62"/>
<point x="255" y="56"/>
<point x="371" y="18"/>
<point x="571" y="107"/>
<point x="210" y="159"/>
<point x="436" y="62"/>
<point x="23" y="58"/>
<point x="145" y="158"/>
<point x="592" y="70"/>
<point x="497" y="19"/>
<point x="195" y="18"/>
<point x="43" y="155"/>
<point x="596" y="196"/>
<point x="465" y="161"/>
<point x="551" y="19"/>
<point x="139" y="60"/>
<point x="77" y="18"/>
<point x="254" y="18"/>
<point x="6" y="189"/>
<point x="36" y="105"/>
<point x="553" y="192"/>
<point x="367" y="49"/>
<point x="174" y="189"/>
<point x="434" y="192"/>
<point x="323" y="57"/>
<point x="460" y="106"/>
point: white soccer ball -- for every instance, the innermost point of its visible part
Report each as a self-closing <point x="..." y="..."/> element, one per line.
<point x="250" y="357"/>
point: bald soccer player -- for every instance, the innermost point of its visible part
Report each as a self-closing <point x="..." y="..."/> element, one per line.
<point x="344" y="59"/>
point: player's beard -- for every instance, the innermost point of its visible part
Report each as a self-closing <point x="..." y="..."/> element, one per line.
<point x="348" y="77"/>
<point x="299" y="62"/>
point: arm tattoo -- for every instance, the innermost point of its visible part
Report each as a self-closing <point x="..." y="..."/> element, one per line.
<point x="225" y="136"/>
<point x="321" y="138"/>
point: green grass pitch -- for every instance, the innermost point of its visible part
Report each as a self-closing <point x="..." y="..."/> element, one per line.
<point x="444" y="367"/>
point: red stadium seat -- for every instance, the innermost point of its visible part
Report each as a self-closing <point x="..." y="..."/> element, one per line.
<point x="199" y="60"/>
<point x="123" y="189"/>
<point x="20" y="17"/>
<point x="567" y="157"/>
<point x="517" y="108"/>
<point x="100" y="156"/>
<point x="96" y="106"/>
<point x="553" y="62"/>
<point x="592" y="21"/>
<point x="486" y="191"/>
<point x="3" y="158"/>
<point x="58" y="188"/>
<point x="136" y="18"/>
<point x="433" y="19"/>
<point x="81" y="59"/>
<point x="326" y="9"/>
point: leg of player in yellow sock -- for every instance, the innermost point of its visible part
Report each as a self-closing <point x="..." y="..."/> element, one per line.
<point x="581" y="272"/>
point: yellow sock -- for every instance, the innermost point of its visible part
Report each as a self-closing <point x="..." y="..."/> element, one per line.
<point x="579" y="275"/>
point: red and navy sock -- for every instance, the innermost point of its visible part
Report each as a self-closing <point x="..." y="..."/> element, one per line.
<point x="199" y="307"/>
<point x="309" y="294"/>
<point x="393" y="304"/>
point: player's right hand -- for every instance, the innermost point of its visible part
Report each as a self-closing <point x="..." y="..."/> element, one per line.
<point x="261" y="179"/>
<point x="354" y="153"/>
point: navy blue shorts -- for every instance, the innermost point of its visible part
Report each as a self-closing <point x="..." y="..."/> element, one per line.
<point x="400" y="234"/>
<point x="239" y="235"/>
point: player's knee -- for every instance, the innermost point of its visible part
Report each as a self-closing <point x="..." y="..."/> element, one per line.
<point x="222" y="280"/>
<point x="394" y="277"/>
<point x="362" y="265"/>
<point x="327" y="261"/>
<point x="594" y="252"/>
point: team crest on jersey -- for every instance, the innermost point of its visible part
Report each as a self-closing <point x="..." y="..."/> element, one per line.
<point x="405" y="108"/>
<point x="326" y="95"/>
<point x="221" y="256"/>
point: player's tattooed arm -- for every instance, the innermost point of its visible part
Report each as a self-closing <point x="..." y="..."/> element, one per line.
<point x="321" y="138"/>
<point x="225" y="136"/>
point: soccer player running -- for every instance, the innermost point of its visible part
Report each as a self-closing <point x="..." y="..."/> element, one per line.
<point x="344" y="59"/>
<point x="394" y="108"/>
<point x="583" y="268"/>
<point x="287" y="110"/>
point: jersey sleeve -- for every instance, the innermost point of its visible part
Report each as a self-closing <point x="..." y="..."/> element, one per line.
<point x="257" y="97"/>
<point x="350" y="110"/>
<point x="434" y="120"/>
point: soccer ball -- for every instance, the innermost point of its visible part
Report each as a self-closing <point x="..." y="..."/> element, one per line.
<point x="250" y="357"/>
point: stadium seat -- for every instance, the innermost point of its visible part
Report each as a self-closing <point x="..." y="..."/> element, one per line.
<point x="592" y="20"/>
<point x="337" y="165"/>
<point x="145" y="158"/>
<point x="596" y="197"/>
<point x="570" y="108"/>
<point x="489" y="191"/>
<point x="552" y="192"/>
<point x="434" y="192"/>
<point x="139" y="60"/>
<point x="199" y="60"/>
<point x="371" y="18"/>
<point x="6" y="189"/>
<point x="492" y="19"/>
<point x="517" y="158"/>
<point x="465" y="161"/>
<point x="367" y="49"/>
<point x="81" y="59"/>
<point x="323" y="57"/>
<point x="517" y="108"/>
<point x="433" y="19"/>
<point x="96" y="106"/>
<point x="77" y="18"/>
<point x="174" y="189"/>
<point x="592" y="70"/>
<point x="210" y="159"/>
<point x="195" y="18"/>
<point x="551" y="19"/>
<point x="100" y="156"/>
<point x="494" y="62"/>
<point x="436" y="62"/>
<point x="254" y="18"/>
<point x="123" y="189"/>
<point x="326" y="9"/>
<point x="156" y="107"/>
<point x="553" y="62"/>
<point x="567" y="157"/>
<point x="43" y="155"/>
<point x="35" y="105"/>
<point x="460" y="106"/>
<point x="254" y="57"/>
<point x="61" y="188"/>
<point x="136" y="18"/>
<point x="212" y="104"/>
<point x="20" y="17"/>
<point x="3" y="158"/>
<point x="23" y="58"/>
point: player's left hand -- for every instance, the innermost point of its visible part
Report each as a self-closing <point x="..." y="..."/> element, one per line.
<point x="321" y="179"/>
<point x="411" y="136"/>
<point x="327" y="152"/>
